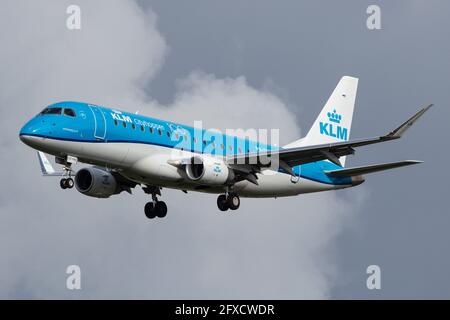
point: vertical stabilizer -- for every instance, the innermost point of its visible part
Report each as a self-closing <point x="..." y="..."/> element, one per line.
<point x="335" y="120"/>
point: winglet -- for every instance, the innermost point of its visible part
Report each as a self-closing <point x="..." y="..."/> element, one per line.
<point x="397" y="133"/>
<point x="46" y="166"/>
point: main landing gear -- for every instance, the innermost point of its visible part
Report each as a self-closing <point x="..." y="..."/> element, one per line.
<point x="228" y="201"/>
<point x="155" y="208"/>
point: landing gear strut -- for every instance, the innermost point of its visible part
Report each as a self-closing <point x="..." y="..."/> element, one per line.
<point x="228" y="201"/>
<point x="155" y="208"/>
<point x="66" y="182"/>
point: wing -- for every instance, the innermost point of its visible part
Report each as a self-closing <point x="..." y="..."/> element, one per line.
<point x="356" y="171"/>
<point x="288" y="158"/>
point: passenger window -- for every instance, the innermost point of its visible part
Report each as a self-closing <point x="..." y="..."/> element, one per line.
<point x="159" y="132"/>
<point x="51" y="111"/>
<point x="124" y="124"/>
<point x="151" y="130"/>
<point x="115" y="122"/>
<point x="168" y="134"/>
<point x="142" y="128"/>
<point x="133" y="126"/>
<point x="69" y="112"/>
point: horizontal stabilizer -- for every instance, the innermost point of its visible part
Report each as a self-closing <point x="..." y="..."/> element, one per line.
<point x="356" y="171"/>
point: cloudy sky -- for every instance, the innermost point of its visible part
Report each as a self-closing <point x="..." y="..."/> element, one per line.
<point x="259" y="64"/>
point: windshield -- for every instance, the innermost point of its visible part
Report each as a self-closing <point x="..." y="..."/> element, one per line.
<point x="51" y="111"/>
<point x="69" y="112"/>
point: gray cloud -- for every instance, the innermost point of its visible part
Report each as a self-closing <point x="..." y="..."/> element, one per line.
<point x="271" y="249"/>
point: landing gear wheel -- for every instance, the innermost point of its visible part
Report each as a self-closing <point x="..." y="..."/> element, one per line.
<point x="222" y="203"/>
<point x="69" y="183"/>
<point x="62" y="183"/>
<point x="155" y="208"/>
<point x="233" y="201"/>
<point x="160" y="209"/>
<point x="149" y="210"/>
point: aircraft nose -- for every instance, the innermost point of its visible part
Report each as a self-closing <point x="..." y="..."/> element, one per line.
<point x="29" y="131"/>
<point x="25" y="133"/>
<point x="23" y="137"/>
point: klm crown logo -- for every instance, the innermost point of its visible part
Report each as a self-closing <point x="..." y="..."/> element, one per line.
<point x="334" y="117"/>
<point x="332" y="128"/>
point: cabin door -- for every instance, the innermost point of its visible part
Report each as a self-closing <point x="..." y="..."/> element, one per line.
<point x="99" y="123"/>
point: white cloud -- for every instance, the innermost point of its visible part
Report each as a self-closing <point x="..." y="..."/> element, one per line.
<point x="269" y="249"/>
<point x="228" y="104"/>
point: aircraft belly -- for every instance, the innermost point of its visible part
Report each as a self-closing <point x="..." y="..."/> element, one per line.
<point x="281" y="185"/>
<point x="113" y="154"/>
<point x="57" y="147"/>
<point x="147" y="164"/>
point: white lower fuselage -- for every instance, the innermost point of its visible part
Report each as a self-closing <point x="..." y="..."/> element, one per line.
<point x="147" y="164"/>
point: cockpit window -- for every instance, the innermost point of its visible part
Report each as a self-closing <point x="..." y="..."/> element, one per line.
<point x="69" y="112"/>
<point x="51" y="111"/>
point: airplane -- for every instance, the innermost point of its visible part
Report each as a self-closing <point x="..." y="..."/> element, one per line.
<point x="127" y="150"/>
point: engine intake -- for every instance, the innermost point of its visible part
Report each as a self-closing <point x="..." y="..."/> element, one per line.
<point x="96" y="182"/>
<point x="208" y="170"/>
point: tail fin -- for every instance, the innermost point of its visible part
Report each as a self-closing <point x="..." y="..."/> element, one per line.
<point x="335" y="120"/>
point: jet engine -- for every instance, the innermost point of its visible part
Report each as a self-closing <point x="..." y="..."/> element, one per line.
<point x="96" y="182"/>
<point x="208" y="170"/>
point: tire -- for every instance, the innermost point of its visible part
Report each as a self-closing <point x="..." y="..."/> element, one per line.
<point x="161" y="209"/>
<point x="222" y="203"/>
<point x="62" y="183"/>
<point x="233" y="201"/>
<point x="69" y="183"/>
<point x="149" y="210"/>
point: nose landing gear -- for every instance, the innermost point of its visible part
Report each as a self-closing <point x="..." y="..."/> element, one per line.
<point x="66" y="182"/>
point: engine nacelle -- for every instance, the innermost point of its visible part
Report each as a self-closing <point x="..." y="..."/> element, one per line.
<point x="208" y="170"/>
<point x="96" y="182"/>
